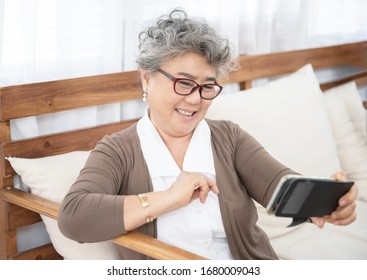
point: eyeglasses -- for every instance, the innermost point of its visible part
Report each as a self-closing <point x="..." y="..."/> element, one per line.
<point x="183" y="86"/>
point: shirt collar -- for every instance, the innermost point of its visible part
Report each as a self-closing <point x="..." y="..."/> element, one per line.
<point x="198" y="158"/>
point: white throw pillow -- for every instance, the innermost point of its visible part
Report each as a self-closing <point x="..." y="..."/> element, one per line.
<point x="348" y="121"/>
<point x="288" y="117"/>
<point x="51" y="178"/>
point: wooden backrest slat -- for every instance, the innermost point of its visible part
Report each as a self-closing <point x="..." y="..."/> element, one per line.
<point x="55" y="144"/>
<point x="359" y="78"/>
<point x="274" y="64"/>
<point x="48" y="97"/>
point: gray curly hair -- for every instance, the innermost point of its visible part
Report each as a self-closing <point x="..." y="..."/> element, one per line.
<point x="175" y="34"/>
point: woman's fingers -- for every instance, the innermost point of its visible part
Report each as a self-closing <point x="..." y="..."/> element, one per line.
<point x="339" y="176"/>
<point x="190" y="186"/>
<point x="345" y="214"/>
<point x="204" y="186"/>
<point x="349" y="198"/>
<point x="319" y="221"/>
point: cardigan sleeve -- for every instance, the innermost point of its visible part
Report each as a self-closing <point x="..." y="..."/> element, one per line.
<point x="93" y="209"/>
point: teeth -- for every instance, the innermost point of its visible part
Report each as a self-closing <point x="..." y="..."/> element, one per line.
<point x="183" y="112"/>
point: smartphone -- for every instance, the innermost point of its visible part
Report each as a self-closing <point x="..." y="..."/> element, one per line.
<point x="300" y="196"/>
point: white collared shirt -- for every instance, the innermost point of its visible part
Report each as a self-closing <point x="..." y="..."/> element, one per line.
<point x="197" y="227"/>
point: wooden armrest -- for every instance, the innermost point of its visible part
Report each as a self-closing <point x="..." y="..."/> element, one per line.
<point x="31" y="202"/>
<point x="134" y="240"/>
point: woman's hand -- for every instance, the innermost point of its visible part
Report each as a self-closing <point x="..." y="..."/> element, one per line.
<point x="187" y="187"/>
<point x="345" y="214"/>
<point x="190" y="186"/>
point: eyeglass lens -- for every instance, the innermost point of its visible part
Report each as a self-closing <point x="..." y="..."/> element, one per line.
<point x="186" y="87"/>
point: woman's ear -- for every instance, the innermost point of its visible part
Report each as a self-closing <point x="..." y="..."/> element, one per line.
<point x="144" y="76"/>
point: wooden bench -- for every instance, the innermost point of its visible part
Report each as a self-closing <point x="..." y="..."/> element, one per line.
<point x="19" y="209"/>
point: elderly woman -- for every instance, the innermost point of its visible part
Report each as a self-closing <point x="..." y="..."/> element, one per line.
<point x="174" y="175"/>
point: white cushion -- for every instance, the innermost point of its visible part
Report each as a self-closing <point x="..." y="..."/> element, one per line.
<point x="288" y="117"/>
<point x="51" y="178"/>
<point x="348" y="121"/>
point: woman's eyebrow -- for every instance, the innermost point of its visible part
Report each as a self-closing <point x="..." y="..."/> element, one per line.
<point x="189" y="76"/>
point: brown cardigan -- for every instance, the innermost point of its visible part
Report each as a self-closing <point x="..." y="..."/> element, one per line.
<point x="92" y="210"/>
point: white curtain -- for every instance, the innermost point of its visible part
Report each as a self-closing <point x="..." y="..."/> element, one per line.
<point x="269" y="26"/>
<point x="50" y="39"/>
<point x="54" y="39"/>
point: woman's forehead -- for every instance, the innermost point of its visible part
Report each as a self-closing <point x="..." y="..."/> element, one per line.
<point x="190" y="65"/>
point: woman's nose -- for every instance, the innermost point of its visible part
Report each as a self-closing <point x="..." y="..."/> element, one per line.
<point x="194" y="98"/>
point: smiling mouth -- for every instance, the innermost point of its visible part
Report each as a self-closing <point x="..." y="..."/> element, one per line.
<point x="185" y="113"/>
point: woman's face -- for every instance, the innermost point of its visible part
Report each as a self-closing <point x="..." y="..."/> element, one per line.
<point x="172" y="114"/>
